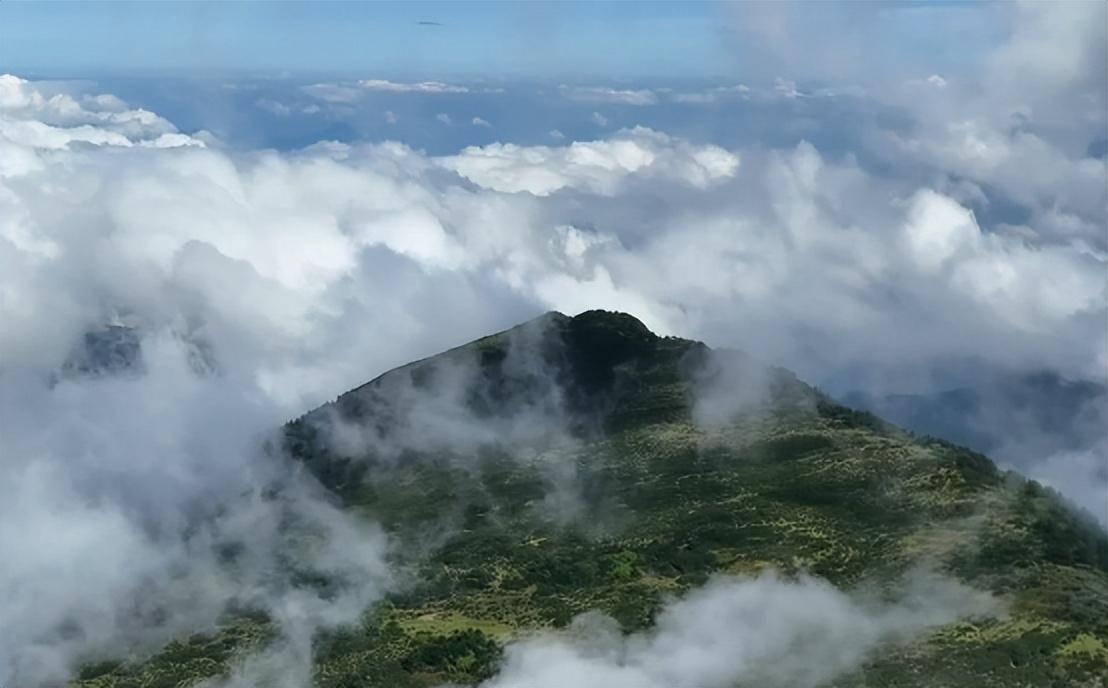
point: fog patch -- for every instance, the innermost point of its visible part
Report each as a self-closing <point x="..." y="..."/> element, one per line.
<point x="766" y="631"/>
<point x="504" y="392"/>
<point x="141" y="506"/>
<point x="727" y="385"/>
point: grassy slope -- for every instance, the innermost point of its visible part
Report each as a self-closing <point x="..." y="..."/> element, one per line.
<point x="799" y="483"/>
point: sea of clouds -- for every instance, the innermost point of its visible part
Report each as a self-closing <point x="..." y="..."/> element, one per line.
<point x="261" y="283"/>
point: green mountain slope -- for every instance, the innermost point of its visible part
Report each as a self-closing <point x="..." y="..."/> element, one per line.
<point x="577" y="464"/>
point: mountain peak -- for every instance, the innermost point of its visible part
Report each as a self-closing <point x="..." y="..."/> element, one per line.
<point x="578" y="464"/>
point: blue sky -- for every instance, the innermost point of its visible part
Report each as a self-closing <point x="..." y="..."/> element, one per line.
<point x="320" y="37"/>
<point x="675" y="40"/>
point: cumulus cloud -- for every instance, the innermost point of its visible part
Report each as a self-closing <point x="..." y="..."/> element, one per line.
<point x="30" y="114"/>
<point x="991" y="152"/>
<point x="1037" y="104"/>
<point x="598" y="166"/>
<point x="765" y="631"/>
<point x="1031" y="97"/>
<point x="478" y="122"/>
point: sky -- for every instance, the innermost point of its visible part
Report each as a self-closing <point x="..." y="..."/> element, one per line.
<point x="282" y="201"/>
<point x="538" y="40"/>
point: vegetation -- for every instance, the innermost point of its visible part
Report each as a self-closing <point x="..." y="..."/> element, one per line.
<point x="658" y="503"/>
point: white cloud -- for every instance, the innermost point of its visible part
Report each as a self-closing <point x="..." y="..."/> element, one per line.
<point x="273" y="107"/>
<point x="31" y="115"/>
<point x="556" y="135"/>
<point x="599" y="119"/>
<point x="417" y="87"/>
<point x="786" y="88"/>
<point x="604" y="94"/>
<point x="978" y="150"/>
<point x="1022" y="125"/>
<point x="763" y="631"/>
<point x="1051" y="59"/>
<point x="390" y="117"/>
<point x="335" y="93"/>
<point x="938" y="228"/>
<point x="714" y="94"/>
<point x="478" y="122"/>
<point x="353" y="92"/>
<point x="598" y="166"/>
<point x="444" y="118"/>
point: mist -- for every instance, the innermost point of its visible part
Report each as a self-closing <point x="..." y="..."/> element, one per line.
<point x="766" y="631"/>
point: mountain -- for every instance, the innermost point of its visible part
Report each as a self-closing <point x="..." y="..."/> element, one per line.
<point x="573" y="465"/>
<point x="110" y="350"/>
<point x="1051" y="413"/>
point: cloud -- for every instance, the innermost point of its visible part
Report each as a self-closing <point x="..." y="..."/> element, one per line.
<point x="273" y="107"/>
<point x="280" y="109"/>
<point x="1050" y="58"/>
<point x="335" y="93"/>
<point x="31" y="115"/>
<point x="764" y="631"/>
<point x="727" y="241"/>
<point x="786" y="88"/>
<point x="991" y="153"/>
<point x="147" y="534"/>
<point x="444" y="118"/>
<point x="1024" y="89"/>
<point x="353" y="92"/>
<point x="599" y="119"/>
<point x="390" y="117"/>
<point x="478" y="122"/>
<point x="1035" y="104"/>
<point x="604" y="94"/>
<point x="417" y="87"/>
<point x="714" y="94"/>
<point x="598" y="166"/>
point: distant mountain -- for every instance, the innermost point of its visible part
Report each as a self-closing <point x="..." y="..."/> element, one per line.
<point x="109" y="350"/>
<point x="578" y="464"/>
<point x="1062" y="414"/>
